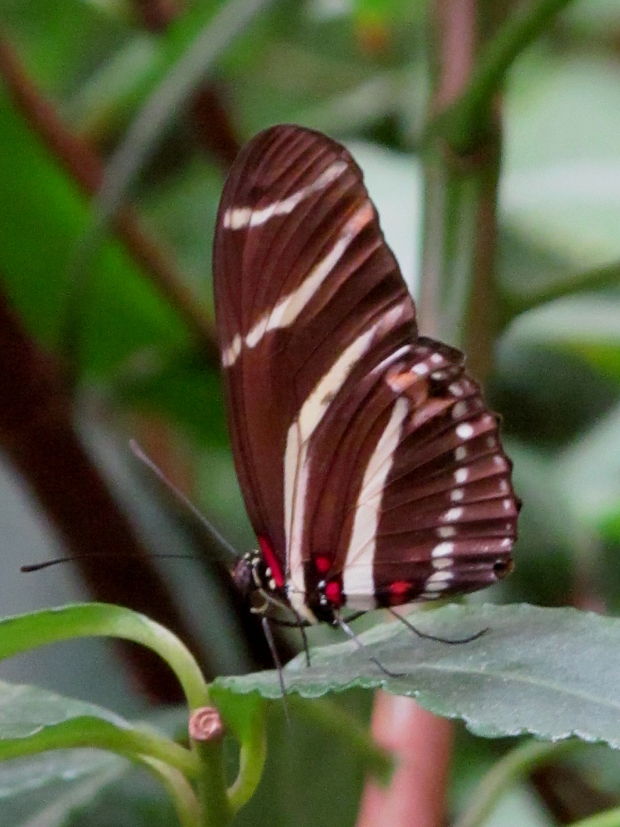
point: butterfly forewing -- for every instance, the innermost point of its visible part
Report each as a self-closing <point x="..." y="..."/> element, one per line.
<point x="371" y="469"/>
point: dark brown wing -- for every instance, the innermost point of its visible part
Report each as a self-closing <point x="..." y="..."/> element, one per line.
<point x="344" y="432"/>
<point x="429" y="508"/>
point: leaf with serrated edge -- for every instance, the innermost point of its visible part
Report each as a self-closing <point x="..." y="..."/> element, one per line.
<point x="553" y="673"/>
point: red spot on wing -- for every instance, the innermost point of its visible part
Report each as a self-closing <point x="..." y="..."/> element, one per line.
<point x="269" y="556"/>
<point x="399" y="592"/>
<point x="322" y="564"/>
<point x="333" y="592"/>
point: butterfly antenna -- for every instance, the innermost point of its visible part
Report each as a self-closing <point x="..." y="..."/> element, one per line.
<point x="276" y="659"/>
<point x="426" y="636"/>
<point x="71" y="557"/>
<point x="304" y="637"/>
<point x="211" y="530"/>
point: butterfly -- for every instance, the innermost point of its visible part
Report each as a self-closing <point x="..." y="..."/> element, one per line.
<point x="371" y="468"/>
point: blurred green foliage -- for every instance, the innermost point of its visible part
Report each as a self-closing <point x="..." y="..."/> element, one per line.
<point x="356" y="70"/>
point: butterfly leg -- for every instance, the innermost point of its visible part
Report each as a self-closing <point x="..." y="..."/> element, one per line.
<point x="298" y="623"/>
<point x="304" y="637"/>
<point x="354" y="616"/>
<point x="339" y="621"/>
<point x="426" y="636"/>
<point x="276" y="659"/>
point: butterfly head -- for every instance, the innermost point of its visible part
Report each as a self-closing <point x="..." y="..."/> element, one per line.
<point x="243" y="574"/>
<point x="255" y="580"/>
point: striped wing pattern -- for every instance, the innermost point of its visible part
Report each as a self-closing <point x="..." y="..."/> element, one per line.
<point x="371" y="469"/>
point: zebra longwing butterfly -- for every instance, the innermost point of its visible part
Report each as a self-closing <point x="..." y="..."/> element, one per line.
<point x="371" y="469"/>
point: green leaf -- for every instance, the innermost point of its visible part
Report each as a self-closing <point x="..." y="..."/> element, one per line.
<point x="53" y="803"/>
<point x="180" y="387"/>
<point x="554" y="673"/>
<point x="33" y="720"/>
<point x="122" y="313"/>
<point x="27" y="631"/>
<point x="60" y="42"/>
<point x="75" y="737"/>
<point x="27" y="712"/>
<point x="132" y="800"/>
<point x="25" y="774"/>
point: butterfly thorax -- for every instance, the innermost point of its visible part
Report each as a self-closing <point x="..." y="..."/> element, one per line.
<point x="253" y="576"/>
<point x="265" y="588"/>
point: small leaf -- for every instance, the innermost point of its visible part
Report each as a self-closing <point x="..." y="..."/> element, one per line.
<point x="554" y="673"/>
<point x="27" y="631"/>
<point x="25" y="710"/>
<point x="75" y="738"/>
<point x="27" y="713"/>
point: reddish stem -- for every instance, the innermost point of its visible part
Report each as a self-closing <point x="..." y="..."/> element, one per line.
<point x="38" y="435"/>
<point x="212" y="124"/>
<point x="420" y="741"/>
<point x="156" y="15"/>
<point x="86" y="168"/>
<point x="421" y="745"/>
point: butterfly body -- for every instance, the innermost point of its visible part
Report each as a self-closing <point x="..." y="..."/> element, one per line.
<point x="371" y="468"/>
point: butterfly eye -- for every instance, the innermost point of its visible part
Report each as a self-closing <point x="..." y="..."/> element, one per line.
<point x="243" y="576"/>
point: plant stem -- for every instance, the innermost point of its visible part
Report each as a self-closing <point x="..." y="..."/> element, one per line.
<point x="252" y="755"/>
<point x="38" y="434"/>
<point x="25" y="632"/>
<point x="244" y="717"/>
<point x="160" y="108"/>
<point x="514" y="765"/>
<point x="156" y="15"/>
<point x="463" y="124"/>
<point x="84" y="731"/>
<point x="180" y="791"/>
<point x="457" y="284"/>
<point x="458" y="300"/>
<point x="421" y="745"/>
<point x="457" y="305"/>
<point x="215" y="807"/>
<point x="515" y="303"/>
